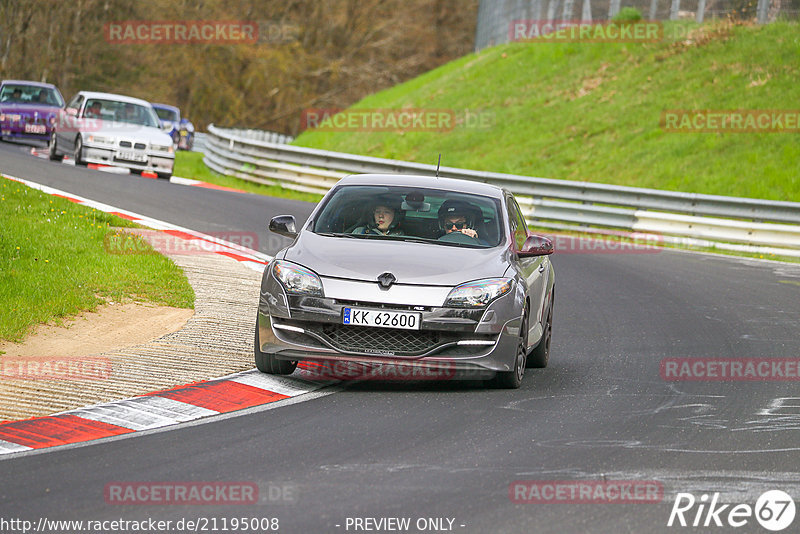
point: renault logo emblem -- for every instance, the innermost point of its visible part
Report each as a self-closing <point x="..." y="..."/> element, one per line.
<point x="386" y="280"/>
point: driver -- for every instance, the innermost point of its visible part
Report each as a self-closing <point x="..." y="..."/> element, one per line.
<point x="457" y="216"/>
<point x="94" y="110"/>
<point x="131" y="113"/>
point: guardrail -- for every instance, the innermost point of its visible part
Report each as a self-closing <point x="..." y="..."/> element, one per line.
<point x="547" y="202"/>
<point x="199" y="144"/>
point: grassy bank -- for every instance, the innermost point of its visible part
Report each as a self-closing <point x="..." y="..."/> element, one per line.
<point x="54" y="263"/>
<point x="592" y="111"/>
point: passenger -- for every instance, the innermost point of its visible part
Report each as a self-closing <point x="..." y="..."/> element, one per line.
<point x="41" y="98"/>
<point x="385" y="220"/>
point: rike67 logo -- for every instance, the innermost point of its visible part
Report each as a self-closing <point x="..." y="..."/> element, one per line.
<point x="774" y="510"/>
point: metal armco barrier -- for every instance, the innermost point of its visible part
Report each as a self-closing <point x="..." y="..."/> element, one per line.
<point x="546" y="202"/>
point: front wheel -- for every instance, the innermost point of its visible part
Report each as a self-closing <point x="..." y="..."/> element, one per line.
<point x="79" y="151"/>
<point x="164" y="175"/>
<point x="54" y="155"/>
<point x="267" y="363"/>
<point x="513" y="379"/>
<point x="541" y="354"/>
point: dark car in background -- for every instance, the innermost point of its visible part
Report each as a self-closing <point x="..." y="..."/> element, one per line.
<point x="179" y="128"/>
<point x="28" y="110"/>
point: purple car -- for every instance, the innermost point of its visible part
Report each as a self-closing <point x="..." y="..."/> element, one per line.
<point x="28" y="109"/>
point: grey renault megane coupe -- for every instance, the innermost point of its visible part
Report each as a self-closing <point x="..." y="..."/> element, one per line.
<point x="423" y="272"/>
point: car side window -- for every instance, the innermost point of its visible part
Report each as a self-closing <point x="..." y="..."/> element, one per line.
<point x="75" y="103"/>
<point x="518" y="225"/>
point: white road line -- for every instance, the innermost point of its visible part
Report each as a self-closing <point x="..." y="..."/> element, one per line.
<point x="142" y="413"/>
<point x="184" y="181"/>
<point x="285" y="386"/>
<point x="7" y="447"/>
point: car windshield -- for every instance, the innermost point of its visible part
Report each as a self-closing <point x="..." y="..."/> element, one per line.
<point x="30" y="94"/>
<point x="426" y="215"/>
<point x="127" y="112"/>
<point x="166" y="114"/>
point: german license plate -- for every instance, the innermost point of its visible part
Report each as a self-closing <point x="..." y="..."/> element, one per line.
<point x="35" y="128"/>
<point x="382" y="318"/>
<point x="127" y="155"/>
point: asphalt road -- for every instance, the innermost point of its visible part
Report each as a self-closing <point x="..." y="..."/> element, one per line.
<point x="600" y="411"/>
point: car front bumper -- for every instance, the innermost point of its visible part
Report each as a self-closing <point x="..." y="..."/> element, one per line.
<point x="463" y="343"/>
<point x="107" y="156"/>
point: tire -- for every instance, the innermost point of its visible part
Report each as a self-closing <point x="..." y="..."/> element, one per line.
<point x="164" y="175"/>
<point x="54" y="155"/>
<point x="513" y="379"/>
<point x="541" y="354"/>
<point x="79" y="151"/>
<point x="267" y="363"/>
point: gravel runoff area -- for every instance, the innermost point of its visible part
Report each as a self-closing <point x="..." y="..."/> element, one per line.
<point x="217" y="340"/>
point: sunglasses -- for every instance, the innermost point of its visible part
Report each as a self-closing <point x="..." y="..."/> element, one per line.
<point x="458" y="225"/>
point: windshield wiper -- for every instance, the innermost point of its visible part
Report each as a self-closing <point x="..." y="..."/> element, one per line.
<point x="343" y="234"/>
<point x="414" y="239"/>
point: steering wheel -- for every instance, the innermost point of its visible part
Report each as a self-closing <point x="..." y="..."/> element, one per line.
<point x="458" y="237"/>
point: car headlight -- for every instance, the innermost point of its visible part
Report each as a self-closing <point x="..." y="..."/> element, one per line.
<point x="478" y="294"/>
<point x="100" y="139"/>
<point x="162" y="148"/>
<point x="297" y="280"/>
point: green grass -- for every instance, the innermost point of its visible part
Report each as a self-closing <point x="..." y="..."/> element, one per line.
<point x="54" y="263"/>
<point x="190" y="165"/>
<point x="591" y="111"/>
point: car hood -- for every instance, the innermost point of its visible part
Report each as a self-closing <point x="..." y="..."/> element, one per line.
<point x="410" y="263"/>
<point x="29" y="109"/>
<point x="131" y="132"/>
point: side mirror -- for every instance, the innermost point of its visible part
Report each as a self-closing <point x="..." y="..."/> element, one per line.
<point x="283" y="225"/>
<point x="536" y="245"/>
<point x="72" y="112"/>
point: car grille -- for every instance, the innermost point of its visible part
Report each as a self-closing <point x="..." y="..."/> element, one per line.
<point x="125" y="144"/>
<point x="140" y="146"/>
<point x="375" y="340"/>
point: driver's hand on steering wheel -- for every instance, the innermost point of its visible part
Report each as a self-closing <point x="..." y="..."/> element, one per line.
<point x="469" y="232"/>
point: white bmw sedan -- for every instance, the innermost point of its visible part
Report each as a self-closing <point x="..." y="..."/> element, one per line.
<point x="110" y="129"/>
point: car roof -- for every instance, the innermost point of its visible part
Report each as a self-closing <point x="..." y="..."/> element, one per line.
<point x="408" y="180"/>
<point x="113" y="96"/>
<point x="28" y="82"/>
<point x="165" y="106"/>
